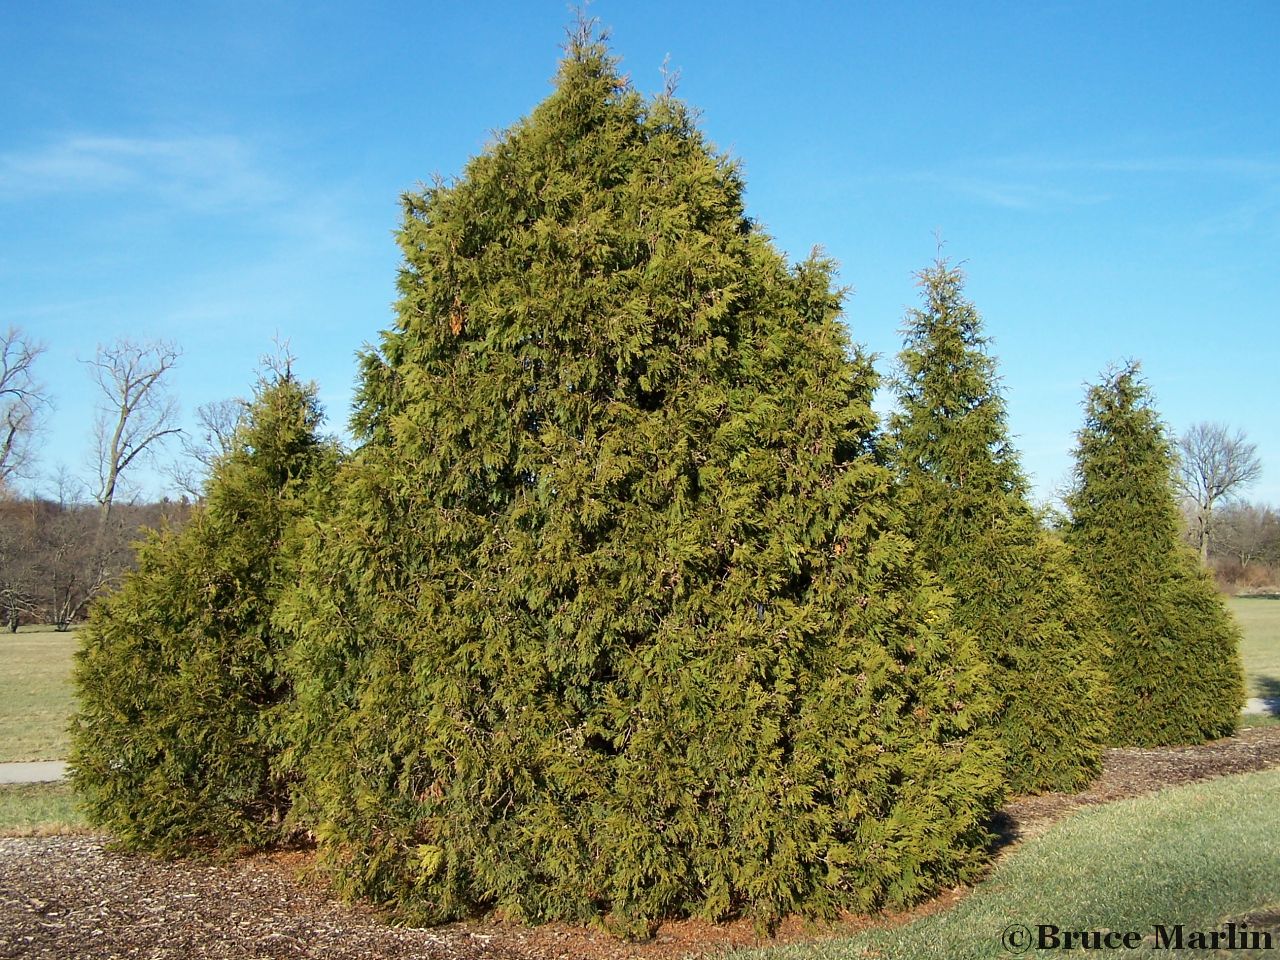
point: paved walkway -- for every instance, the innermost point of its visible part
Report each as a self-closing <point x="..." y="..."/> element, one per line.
<point x="1269" y="705"/>
<point x="38" y="771"/>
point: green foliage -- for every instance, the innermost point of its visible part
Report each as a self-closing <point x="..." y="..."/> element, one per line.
<point x="609" y="621"/>
<point x="1175" y="667"/>
<point x="180" y="673"/>
<point x="964" y="496"/>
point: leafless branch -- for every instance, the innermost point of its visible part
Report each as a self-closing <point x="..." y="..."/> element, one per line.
<point x="136" y="413"/>
<point x="22" y="400"/>
<point x="1215" y="464"/>
<point x="216" y="425"/>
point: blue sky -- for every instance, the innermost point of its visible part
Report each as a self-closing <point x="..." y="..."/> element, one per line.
<point x="224" y="173"/>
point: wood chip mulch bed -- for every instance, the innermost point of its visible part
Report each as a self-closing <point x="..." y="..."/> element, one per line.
<point x="68" y="897"/>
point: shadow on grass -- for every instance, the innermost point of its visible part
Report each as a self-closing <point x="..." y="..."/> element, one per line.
<point x="1004" y="832"/>
<point x="1269" y="691"/>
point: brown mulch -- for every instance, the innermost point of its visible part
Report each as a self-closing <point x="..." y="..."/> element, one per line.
<point x="1132" y="772"/>
<point x="68" y="897"/>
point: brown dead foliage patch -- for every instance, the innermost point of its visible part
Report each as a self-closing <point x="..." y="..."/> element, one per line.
<point x="68" y="896"/>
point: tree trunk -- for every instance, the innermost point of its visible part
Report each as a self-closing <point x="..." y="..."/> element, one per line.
<point x="1204" y="535"/>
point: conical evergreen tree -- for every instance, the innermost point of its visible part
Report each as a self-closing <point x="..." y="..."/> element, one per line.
<point x="610" y="620"/>
<point x="180" y="674"/>
<point x="1176" y="667"/>
<point x="1016" y="589"/>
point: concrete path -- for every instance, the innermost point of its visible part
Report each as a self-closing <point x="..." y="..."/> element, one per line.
<point x="1270" y="705"/>
<point x="37" y="771"/>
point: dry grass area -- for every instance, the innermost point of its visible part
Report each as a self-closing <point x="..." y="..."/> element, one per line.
<point x="1259" y="619"/>
<point x="36" y="694"/>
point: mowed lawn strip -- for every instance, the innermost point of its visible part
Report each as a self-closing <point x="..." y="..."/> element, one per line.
<point x="1259" y="619"/>
<point x="1196" y="855"/>
<point x="39" y="808"/>
<point x="36" y="694"/>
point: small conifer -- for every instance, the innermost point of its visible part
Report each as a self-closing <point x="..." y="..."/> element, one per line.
<point x="180" y="673"/>
<point x="965" y="500"/>
<point x="610" y="620"/>
<point x="1175" y="668"/>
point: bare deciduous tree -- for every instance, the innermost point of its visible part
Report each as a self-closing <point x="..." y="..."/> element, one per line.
<point x="136" y="413"/>
<point x="68" y="487"/>
<point x="1216" y="463"/>
<point x="214" y="437"/>
<point x="22" y="399"/>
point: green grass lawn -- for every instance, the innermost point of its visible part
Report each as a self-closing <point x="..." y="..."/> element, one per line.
<point x="36" y="698"/>
<point x="1197" y="855"/>
<point x="39" y="808"/>
<point x="1259" y="618"/>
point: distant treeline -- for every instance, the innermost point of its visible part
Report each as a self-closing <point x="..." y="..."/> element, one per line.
<point x="1244" y="551"/>
<point x="56" y="557"/>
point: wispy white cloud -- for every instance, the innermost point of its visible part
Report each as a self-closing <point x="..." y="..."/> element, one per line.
<point x="1036" y="183"/>
<point x="1257" y="213"/>
<point x="1251" y="182"/>
<point x="1238" y="167"/>
<point x="1013" y="193"/>
<point x="205" y="173"/>
<point x="180" y="177"/>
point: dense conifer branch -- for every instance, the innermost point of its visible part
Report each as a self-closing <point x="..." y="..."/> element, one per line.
<point x="1175" y="667"/>
<point x="964" y="499"/>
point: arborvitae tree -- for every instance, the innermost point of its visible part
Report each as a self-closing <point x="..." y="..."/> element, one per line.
<point x="610" y="620"/>
<point x="965" y="498"/>
<point x="180" y="674"/>
<point x="1175" y="666"/>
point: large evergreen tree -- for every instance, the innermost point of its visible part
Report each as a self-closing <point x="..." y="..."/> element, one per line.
<point x="965" y="499"/>
<point x="1175" y="667"/>
<point x="610" y="620"/>
<point x="180" y="673"/>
